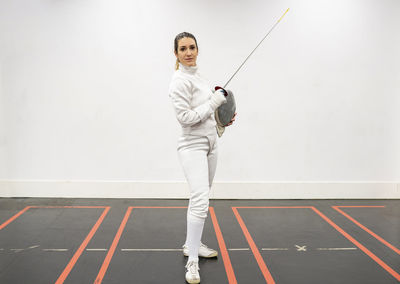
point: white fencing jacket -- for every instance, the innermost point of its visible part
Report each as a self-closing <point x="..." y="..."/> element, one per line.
<point x="190" y="94"/>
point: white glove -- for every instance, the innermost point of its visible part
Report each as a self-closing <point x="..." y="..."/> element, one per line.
<point x="217" y="99"/>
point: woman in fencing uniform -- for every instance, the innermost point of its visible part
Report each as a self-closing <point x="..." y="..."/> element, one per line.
<point x="195" y="104"/>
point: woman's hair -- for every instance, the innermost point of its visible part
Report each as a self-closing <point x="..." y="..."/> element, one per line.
<point x="177" y="38"/>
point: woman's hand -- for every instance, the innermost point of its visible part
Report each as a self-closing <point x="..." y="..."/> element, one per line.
<point x="232" y="120"/>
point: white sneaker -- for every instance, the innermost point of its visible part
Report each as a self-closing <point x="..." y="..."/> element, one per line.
<point x="204" y="251"/>
<point x="192" y="272"/>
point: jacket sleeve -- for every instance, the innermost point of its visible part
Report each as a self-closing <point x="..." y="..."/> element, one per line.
<point x="181" y="96"/>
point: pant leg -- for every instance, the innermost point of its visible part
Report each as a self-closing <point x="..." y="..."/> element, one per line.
<point x="212" y="159"/>
<point x="192" y="152"/>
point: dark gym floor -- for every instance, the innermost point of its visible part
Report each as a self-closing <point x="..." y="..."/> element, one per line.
<point x="51" y="240"/>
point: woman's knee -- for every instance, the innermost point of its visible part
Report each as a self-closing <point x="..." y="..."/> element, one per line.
<point x="199" y="203"/>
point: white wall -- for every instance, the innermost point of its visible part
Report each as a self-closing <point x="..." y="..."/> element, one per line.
<point x="3" y="162"/>
<point x="84" y="87"/>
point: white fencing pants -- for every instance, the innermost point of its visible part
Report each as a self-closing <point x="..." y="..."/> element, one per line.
<point x="198" y="157"/>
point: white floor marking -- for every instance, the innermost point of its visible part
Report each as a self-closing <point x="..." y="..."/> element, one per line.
<point x="240" y="249"/>
<point x="301" y="248"/>
<point x="55" y="249"/>
<point x="32" y="247"/>
<point x="151" y="249"/>
<point x="336" y="248"/>
<point x="96" y="249"/>
<point x="17" y="250"/>
<point x="274" y="249"/>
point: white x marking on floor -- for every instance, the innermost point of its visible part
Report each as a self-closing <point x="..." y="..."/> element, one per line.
<point x="301" y="248"/>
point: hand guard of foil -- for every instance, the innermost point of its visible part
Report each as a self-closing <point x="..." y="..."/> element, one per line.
<point x="225" y="112"/>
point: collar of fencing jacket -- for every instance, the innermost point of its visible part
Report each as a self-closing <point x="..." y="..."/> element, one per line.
<point x="188" y="69"/>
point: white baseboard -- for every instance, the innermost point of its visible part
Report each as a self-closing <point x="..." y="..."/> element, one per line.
<point x="180" y="190"/>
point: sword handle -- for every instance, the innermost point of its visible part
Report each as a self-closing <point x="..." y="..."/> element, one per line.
<point x="225" y="92"/>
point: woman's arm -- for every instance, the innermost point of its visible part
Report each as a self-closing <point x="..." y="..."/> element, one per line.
<point x="181" y="95"/>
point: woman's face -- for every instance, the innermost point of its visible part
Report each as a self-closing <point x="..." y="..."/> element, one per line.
<point x="187" y="51"/>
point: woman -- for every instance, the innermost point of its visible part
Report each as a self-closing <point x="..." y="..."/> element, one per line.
<point x="195" y="104"/>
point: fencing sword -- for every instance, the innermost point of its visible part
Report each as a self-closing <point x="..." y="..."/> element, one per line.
<point x="256" y="47"/>
<point x="227" y="111"/>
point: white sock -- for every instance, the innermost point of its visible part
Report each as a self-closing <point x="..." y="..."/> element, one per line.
<point x="187" y="218"/>
<point x="195" y="227"/>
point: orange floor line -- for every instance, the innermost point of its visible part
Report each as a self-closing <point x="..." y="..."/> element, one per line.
<point x="114" y="244"/>
<point x="107" y="260"/>
<point x="382" y="240"/>
<point x="224" y="252"/>
<point x="360" y="246"/>
<point x="254" y="249"/>
<point x="82" y="247"/>
<point x="14" y="217"/>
